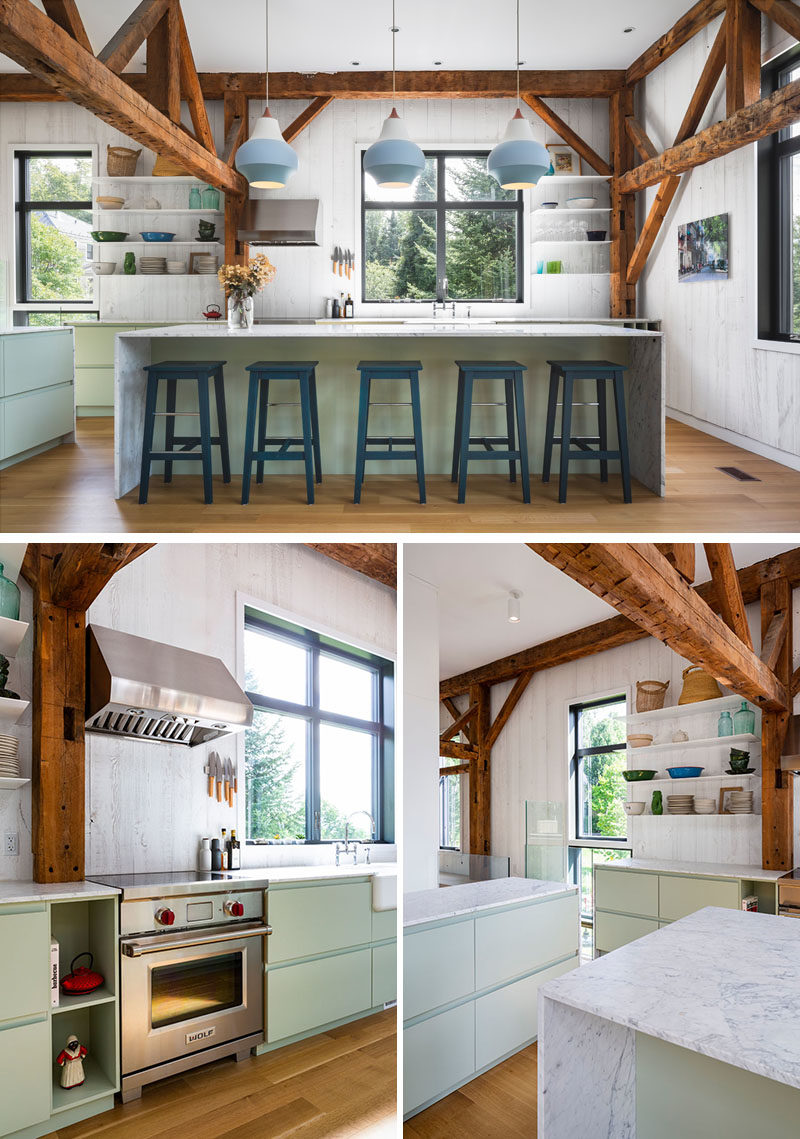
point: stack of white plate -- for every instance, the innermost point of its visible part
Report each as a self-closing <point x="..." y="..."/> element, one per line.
<point x="704" y="806"/>
<point x="152" y="265"/>
<point x="206" y="263"/>
<point x="9" y="761"/>
<point x="740" y="803"/>
<point x="176" y="266"/>
<point x="680" y="804"/>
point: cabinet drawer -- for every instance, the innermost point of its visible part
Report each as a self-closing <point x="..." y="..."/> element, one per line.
<point x="438" y="967"/>
<point x="33" y="419"/>
<point x="24" y="965"/>
<point x="384" y="924"/>
<point x="507" y="1019"/>
<point x="94" y="387"/>
<point x="25" y="1064"/>
<point x="438" y="1054"/>
<point x="94" y="345"/>
<point x="384" y="974"/>
<point x="38" y="360"/>
<point x="313" y="993"/>
<point x="516" y="941"/>
<point x="681" y="896"/>
<point x="613" y="930"/>
<point x="627" y="891"/>
<point x="318" y="919"/>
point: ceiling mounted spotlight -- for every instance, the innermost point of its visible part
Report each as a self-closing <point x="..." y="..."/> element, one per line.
<point x="513" y="606"/>
<point x="355" y="62"/>
<point x="627" y="30"/>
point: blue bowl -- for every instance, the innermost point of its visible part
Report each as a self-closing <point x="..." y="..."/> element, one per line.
<point x="157" y="235"/>
<point x="685" y="772"/>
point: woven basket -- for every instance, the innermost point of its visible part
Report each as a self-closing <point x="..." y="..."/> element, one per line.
<point x="640" y="739"/>
<point x="166" y="168"/>
<point x="698" y="685"/>
<point x="650" y="694"/>
<point x="121" y="161"/>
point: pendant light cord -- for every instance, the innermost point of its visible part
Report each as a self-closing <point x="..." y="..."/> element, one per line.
<point x="394" y="55"/>
<point x="517" y="55"/>
<point x="266" y="45"/>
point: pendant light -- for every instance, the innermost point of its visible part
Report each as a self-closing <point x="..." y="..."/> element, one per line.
<point x="394" y="161"/>
<point x="266" y="159"/>
<point x="518" y="161"/>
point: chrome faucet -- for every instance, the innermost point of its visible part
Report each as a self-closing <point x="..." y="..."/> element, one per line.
<point x="355" y="843"/>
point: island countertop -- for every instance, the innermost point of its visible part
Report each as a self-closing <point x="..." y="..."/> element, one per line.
<point x="472" y="897"/>
<point x="740" y="871"/>
<point x="400" y="328"/>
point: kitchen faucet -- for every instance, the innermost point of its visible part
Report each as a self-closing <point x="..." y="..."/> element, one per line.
<point x="444" y="303"/>
<point x="355" y="845"/>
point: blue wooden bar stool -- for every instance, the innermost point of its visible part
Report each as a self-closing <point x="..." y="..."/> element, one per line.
<point x="510" y="372"/>
<point x="200" y="371"/>
<point x="602" y="371"/>
<point x="411" y="446"/>
<point x="286" y="448"/>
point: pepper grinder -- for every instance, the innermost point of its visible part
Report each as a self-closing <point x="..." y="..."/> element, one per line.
<point x="204" y="855"/>
<point x="216" y="855"/>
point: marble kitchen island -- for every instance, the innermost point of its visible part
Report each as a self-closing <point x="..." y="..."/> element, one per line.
<point x="339" y="346"/>
<point x="691" y="1031"/>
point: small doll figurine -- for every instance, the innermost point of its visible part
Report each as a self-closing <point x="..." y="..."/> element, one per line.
<point x="71" y="1061"/>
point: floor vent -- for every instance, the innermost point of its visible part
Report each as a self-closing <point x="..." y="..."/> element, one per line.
<point x="737" y="473"/>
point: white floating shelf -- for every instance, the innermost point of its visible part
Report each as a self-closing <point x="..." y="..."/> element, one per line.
<point x="11" y="710"/>
<point x="12" y="784"/>
<point x="541" y="276"/>
<point x="11" y="635"/>
<point x="572" y="178"/>
<point x="573" y="210"/>
<point x="688" y="745"/>
<point x="701" y="707"/>
<point x="716" y="778"/>
<point x="566" y="241"/>
<point x="182" y="180"/>
<point x="174" y="244"/>
<point x="134" y="210"/>
<point x="716" y="815"/>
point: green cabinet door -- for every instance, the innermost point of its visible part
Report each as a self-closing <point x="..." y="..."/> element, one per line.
<point x="384" y="924"/>
<point x="94" y="387"/>
<point x="438" y="1053"/>
<point x="384" y="974"/>
<point x="306" y="996"/>
<point x="36" y="360"/>
<point x="25" y="1083"/>
<point x="681" y="895"/>
<point x="613" y="930"/>
<point x="627" y="892"/>
<point x="37" y="418"/>
<point x="94" y="344"/>
<point x="514" y="942"/>
<point x="24" y="964"/>
<point x="507" y="1018"/>
<point x="438" y="966"/>
<point x="311" y="920"/>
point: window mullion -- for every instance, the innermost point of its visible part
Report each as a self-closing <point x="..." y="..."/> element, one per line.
<point x="314" y="822"/>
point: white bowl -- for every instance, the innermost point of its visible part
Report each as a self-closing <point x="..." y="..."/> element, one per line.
<point x="104" y="268"/>
<point x="634" y="808"/>
<point x="581" y="203"/>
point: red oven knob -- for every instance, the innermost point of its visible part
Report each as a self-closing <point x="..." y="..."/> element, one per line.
<point x="165" y="916"/>
<point x="234" y="909"/>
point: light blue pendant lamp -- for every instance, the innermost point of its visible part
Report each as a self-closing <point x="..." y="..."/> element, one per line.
<point x="394" y="161"/>
<point x="266" y="159"/>
<point x="518" y="161"/>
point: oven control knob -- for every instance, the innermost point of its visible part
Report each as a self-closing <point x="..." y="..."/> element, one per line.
<point x="165" y="916"/>
<point x="234" y="909"/>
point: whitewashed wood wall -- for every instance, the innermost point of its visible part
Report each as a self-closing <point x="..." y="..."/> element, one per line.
<point x="716" y="378"/>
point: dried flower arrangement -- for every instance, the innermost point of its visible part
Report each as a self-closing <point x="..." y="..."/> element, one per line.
<point x="245" y="280"/>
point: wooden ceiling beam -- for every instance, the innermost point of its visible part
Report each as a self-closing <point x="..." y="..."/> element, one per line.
<point x="315" y="107"/>
<point x="164" y="65"/>
<point x="639" y="582"/>
<point x="774" y="638"/>
<point x="777" y="809"/>
<point x="782" y="12"/>
<point x="377" y="560"/>
<point x="565" y="132"/>
<point x="234" y="127"/>
<point x="456" y="769"/>
<point x="794" y="686"/>
<point x="622" y="222"/>
<point x="750" y="124"/>
<point x="680" y="33"/>
<point x="743" y="64"/>
<point x="31" y="39"/>
<point x="65" y="13"/>
<point x="80" y="572"/>
<point x="458" y="725"/>
<point x="682" y="556"/>
<point x="509" y="704"/>
<point x="191" y="90"/>
<point x="128" y="38"/>
<point x="640" y="138"/>
<point x="453" y="709"/>
<point x="452" y="750"/>
<point x="728" y="589"/>
<point x="480" y="774"/>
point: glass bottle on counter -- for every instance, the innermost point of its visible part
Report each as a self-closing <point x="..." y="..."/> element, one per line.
<point x="234" y="853"/>
<point x="335" y="309"/>
<point x="348" y="307"/>
<point x="216" y="855"/>
<point x="204" y="855"/>
<point x="224" y="848"/>
<point x="725" y="724"/>
<point x="342" y="312"/>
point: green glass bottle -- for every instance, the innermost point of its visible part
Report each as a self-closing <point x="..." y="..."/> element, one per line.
<point x="744" y="721"/>
<point x="9" y="597"/>
<point x="657" y="806"/>
<point x="129" y="264"/>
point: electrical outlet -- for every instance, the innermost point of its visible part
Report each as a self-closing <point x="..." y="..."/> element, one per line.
<point x="11" y="844"/>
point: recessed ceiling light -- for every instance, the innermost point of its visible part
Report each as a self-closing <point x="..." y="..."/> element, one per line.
<point x="355" y="62"/>
<point x="437" y="63"/>
<point x="520" y="63"/>
<point x="627" y="30"/>
<point x="513" y="606"/>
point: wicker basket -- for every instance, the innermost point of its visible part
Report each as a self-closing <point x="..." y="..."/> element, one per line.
<point x="698" y="685"/>
<point x="166" y="168"/>
<point x="640" y="739"/>
<point x="650" y="694"/>
<point x="121" y="161"/>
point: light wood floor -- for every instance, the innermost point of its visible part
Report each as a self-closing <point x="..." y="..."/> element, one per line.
<point x="70" y="490"/>
<point x="498" y="1105"/>
<point x="340" y="1083"/>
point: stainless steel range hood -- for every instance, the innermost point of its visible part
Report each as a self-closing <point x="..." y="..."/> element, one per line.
<point x="149" y="691"/>
<point x="280" y="221"/>
<point x="790" y="756"/>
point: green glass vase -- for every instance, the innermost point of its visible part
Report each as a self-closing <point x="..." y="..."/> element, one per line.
<point x="129" y="264"/>
<point x="657" y="806"/>
<point x="744" y="721"/>
<point x="9" y="597"/>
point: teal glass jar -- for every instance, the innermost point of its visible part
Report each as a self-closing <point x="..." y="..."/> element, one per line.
<point x="210" y="198"/>
<point x="195" y="202"/>
<point x="9" y="597"/>
<point x="725" y="724"/>
<point x="744" y="721"/>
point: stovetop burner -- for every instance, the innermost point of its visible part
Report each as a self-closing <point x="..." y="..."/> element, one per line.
<point x="157" y="881"/>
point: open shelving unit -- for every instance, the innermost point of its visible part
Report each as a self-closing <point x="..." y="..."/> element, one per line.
<point x="12" y="634"/>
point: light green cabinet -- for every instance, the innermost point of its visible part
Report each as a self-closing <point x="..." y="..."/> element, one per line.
<point x="438" y="1054"/>
<point x="313" y="993"/>
<point x="37" y="391"/>
<point x="384" y="973"/>
<point x="627" y="892"/>
<point x="25" y="1064"/>
<point x="507" y="1019"/>
<point x="679" y="896"/>
<point x="36" y="360"/>
<point x="521" y="940"/>
<point x="94" y="344"/>
<point x="384" y="924"/>
<point x="613" y="930"/>
<point x="311" y="920"/>
<point x="438" y="967"/>
<point x="24" y="964"/>
<point x="36" y="418"/>
<point x="94" y="387"/>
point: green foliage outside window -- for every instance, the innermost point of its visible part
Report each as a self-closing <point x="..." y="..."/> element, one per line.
<point x="603" y="789"/>
<point x="59" y="238"/>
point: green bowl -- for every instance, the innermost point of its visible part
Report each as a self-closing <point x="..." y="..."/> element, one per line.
<point x="638" y="775"/>
<point x="108" y="235"/>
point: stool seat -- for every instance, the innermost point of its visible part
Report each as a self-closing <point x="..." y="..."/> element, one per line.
<point x="390" y="446"/>
<point x="577" y="447"/>
<point x="172" y="371"/>
<point x="501" y="447"/>
<point x="286" y="448"/>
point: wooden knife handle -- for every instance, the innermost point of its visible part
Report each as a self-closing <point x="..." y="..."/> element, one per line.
<point x="211" y="786"/>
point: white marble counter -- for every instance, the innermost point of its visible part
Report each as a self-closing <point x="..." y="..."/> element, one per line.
<point x="457" y="901"/>
<point x="17" y="892"/>
<point x="697" y="869"/>
<point x="355" y="329"/>
<point x="275" y="874"/>
<point x="44" y="328"/>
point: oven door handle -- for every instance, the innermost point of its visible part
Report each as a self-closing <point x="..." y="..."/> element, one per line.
<point x="161" y="942"/>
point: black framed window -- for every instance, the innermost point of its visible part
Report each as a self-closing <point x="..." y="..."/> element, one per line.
<point x="321" y="748"/>
<point x="53" y="213"/>
<point x="454" y="235"/>
<point x="597" y="732"/>
<point x="450" y="804"/>
<point x="779" y="215"/>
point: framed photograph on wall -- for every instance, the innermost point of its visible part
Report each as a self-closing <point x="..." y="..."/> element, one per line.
<point x="703" y="249"/>
<point x="565" y="160"/>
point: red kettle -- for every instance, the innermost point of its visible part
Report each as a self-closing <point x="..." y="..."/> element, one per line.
<point x="213" y="313"/>
<point x="83" y="979"/>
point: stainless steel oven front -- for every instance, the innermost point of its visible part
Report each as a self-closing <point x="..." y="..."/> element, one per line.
<point x="188" y="992"/>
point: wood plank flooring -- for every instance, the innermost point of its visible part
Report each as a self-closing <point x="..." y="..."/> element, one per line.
<point x="341" y="1083"/>
<point x="69" y="490"/>
<point x="501" y="1104"/>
